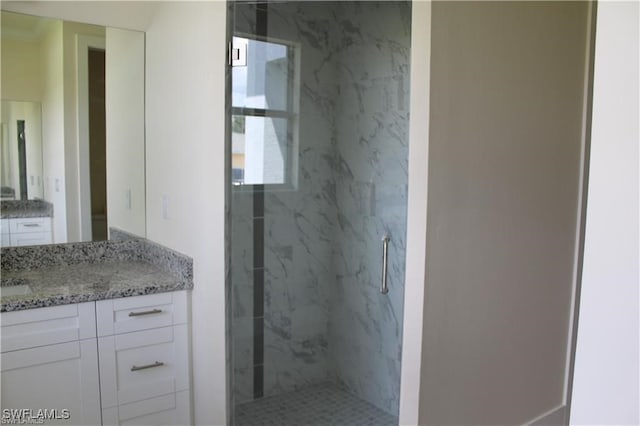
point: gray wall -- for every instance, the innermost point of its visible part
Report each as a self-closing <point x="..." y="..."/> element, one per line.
<point x="505" y="159"/>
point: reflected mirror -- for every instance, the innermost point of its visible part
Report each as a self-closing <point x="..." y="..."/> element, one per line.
<point x="20" y="151"/>
<point x="71" y="131"/>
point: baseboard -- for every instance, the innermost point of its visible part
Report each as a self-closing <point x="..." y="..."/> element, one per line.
<point x="554" y="417"/>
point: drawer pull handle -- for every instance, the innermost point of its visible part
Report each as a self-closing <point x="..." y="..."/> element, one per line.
<point x="144" y="367"/>
<point x="137" y="314"/>
<point x="31" y="225"/>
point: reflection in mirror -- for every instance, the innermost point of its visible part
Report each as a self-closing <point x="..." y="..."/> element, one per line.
<point x="72" y="129"/>
<point x="21" y="151"/>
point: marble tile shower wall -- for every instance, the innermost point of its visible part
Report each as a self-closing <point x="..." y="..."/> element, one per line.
<point x="242" y="295"/>
<point x="299" y="224"/>
<point x="324" y="317"/>
<point x="372" y="124"/>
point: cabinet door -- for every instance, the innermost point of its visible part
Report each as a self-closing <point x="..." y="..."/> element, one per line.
<point x="54" y="377"/>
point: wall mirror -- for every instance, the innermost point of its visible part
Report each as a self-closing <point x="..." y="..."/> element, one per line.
<point x="72" y="126"/>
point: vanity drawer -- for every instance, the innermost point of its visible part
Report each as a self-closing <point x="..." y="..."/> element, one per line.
<point x="130" y="314"/>
<point x="30" y="239"/>
<point x="142" y="365"/>
<point x="46" y="326"/>
<point x="30" y="224"/>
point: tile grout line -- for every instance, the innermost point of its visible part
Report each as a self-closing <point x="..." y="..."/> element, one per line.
<point x="258" y="291"/>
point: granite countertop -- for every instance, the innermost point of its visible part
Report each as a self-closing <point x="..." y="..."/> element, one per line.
<point x="10" y="209"/>
<point x="83" y="272"/>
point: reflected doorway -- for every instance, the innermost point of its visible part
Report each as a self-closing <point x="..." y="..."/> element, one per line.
<point x="97" y="144"/>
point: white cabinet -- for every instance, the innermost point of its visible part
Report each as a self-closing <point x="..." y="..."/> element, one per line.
<point x="143" y="346"/>
<point x="4" y="230"/>
<point x="49" y="361"/>
<point x="26" y="231"/>
<point x="130" y="366"/>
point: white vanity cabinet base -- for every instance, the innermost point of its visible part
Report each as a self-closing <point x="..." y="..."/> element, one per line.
<point x="169" y="410"/>
<point x="76" y="356"/>
<point x="28" y="231"/>
<point x="50" y="361"/>
<point x="61" y="376"/>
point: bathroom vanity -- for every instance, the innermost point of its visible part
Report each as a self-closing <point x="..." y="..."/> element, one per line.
<point x="97" y="333"/>
<point x="26" y="222"/>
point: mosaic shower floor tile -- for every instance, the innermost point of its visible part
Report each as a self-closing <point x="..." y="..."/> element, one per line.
<point x="319" y="405"/>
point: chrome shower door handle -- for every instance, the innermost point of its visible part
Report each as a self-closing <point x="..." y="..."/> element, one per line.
<point x="385" y="255"/>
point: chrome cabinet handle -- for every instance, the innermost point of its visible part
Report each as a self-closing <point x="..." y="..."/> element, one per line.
<point x="151" y="312"/>
<point x="385" y="255"/>
<point x="31" y="225"/>
<point x="144" y="367"/>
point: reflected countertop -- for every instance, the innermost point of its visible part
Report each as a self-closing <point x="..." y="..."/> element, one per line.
<point x="10" y="209"/>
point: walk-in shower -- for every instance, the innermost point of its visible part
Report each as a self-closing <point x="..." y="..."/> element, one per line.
<point x="319" y="118"/>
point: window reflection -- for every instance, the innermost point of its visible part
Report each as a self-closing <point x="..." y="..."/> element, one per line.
<point x="264" y="115"/>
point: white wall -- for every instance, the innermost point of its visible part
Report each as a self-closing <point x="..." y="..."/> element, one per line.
<point x="606" y="376"/>
<point x="53" y="129"/>
<point x="21" y="76"/>
<point x="185" y="89"/>
<point x="415" y="273"/>
<point x="125" y="130"/>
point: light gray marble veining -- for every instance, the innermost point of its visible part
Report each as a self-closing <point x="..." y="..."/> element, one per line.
<point x="324" y="315"/>
<point x="372" y="132"/>
<point x="242" y="295"/>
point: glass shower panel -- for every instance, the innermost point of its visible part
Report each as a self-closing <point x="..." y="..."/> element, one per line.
<point x="320" y="119"/>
